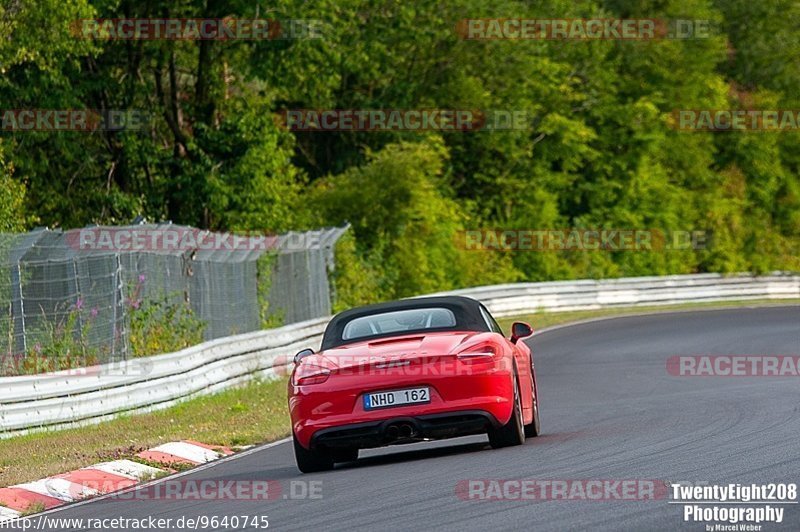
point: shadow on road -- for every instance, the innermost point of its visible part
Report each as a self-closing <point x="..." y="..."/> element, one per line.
<point x="415" y="455"/>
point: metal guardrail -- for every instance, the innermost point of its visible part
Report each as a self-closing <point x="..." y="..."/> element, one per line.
<point x="93" y="394"/>
<point x="560" y="296"/>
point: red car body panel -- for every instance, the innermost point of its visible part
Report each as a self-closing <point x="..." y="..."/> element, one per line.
<point x="456" y="384"/>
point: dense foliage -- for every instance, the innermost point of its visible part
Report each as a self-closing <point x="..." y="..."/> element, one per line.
<point x="600" y="153"/>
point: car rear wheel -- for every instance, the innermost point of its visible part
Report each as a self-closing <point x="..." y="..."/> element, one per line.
<point x="534" y="428"/>
<point x="513" y="432"/>
<point x="311" y="460"/>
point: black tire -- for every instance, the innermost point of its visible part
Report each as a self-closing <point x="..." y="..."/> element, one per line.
<point x="513" y="432"/>
<point x="345" y="455"/>
<point x="311" y="460"/>
<point x="534" y="428"/>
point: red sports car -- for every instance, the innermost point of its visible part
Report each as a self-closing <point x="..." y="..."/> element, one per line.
<point x="408" y="371"/>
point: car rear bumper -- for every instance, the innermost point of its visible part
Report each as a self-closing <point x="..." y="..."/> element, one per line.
<point x="339" y="402"/>
<point x="404" y="429"/>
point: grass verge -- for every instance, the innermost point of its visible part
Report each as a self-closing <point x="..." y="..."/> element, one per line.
<point x="253" y="413"/>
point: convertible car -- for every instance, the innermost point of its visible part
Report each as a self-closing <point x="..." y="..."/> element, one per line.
<point x="408" y="371"/>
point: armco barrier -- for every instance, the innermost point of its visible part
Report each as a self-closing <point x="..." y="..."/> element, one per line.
<point x="97" y="393"/>
<point x="142" y="384"/>
<point x="556" y="296"/>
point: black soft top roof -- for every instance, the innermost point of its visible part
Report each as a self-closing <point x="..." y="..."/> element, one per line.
<point x="466" y="310"/>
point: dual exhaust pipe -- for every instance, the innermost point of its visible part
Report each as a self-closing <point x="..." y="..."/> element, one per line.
<point x="399" y="431"/>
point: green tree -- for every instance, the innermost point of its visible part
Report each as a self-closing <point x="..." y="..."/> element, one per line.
<point x="406" y="227"/>
<point x="12" y="198"/>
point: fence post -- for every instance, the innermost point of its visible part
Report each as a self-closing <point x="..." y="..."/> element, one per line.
<point x="18" y="271"/>
<point x="77" y="297"/>
<point x="118" y="299"/>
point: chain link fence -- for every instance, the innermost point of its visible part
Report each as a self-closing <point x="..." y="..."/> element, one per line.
<point x="103" y="294"/>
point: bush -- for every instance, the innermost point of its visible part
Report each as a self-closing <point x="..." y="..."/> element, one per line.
<point x="54" y="345"/>
<point x="161" y="325"/>
<point x="405" y="228"/>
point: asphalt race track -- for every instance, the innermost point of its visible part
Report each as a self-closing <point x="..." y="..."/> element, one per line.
<point x="610" y="410"/>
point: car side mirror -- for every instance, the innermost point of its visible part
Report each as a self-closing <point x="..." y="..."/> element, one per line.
<point x="302" y="354"/>
<point x="520" y="330"/>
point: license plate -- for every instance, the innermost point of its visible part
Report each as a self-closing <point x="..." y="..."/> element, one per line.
<point x="397" y="398"/>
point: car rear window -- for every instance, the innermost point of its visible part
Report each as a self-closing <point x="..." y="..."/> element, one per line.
<point x="417" y="319"/>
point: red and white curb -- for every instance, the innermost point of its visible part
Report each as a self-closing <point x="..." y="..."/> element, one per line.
<point x="102" y="478"/>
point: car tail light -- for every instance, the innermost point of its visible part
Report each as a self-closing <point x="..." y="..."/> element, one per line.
<point x="479" y="353"/>
<point x="310" y="374"/>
